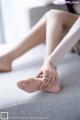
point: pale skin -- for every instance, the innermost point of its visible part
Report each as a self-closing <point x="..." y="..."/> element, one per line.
<point x="52" y="27"/>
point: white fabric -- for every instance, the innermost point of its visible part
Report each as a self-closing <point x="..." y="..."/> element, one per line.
<point x="66" y="44"/>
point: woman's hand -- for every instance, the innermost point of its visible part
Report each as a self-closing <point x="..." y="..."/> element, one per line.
<point x="48" y="74"/>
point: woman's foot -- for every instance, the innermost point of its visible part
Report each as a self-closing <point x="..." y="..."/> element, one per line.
<point x="5" y="64"/>
<point x="50" y="78"/>
<point x="53" y="89"/>
<point x="34" y="84"/>
<point x="30" y="85"/>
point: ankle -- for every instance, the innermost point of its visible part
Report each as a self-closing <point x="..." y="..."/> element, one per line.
<point x="8" y="58"/>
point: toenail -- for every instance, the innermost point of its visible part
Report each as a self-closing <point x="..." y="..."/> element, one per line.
<point x="23" y="84"/>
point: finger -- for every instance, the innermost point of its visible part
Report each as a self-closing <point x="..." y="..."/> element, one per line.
<point x="52" y="80"/>
<point x="41" y="76"/>
<point x="51" y="77"/>
<point x="45" y="74"/>
<point x="38" y="74"/>
<point x="56" y="79"/>
<point x="51" y="83"/>
<point x="46" y="81"/>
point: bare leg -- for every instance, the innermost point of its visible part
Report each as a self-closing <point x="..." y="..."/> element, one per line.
<point x="54" y="34"/>
<point x="53" y="37"/>
<point x="34" y="38"/>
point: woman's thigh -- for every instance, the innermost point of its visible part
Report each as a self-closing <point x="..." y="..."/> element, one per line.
<point x="69" y="20"/>
<point x="66" y="18"/>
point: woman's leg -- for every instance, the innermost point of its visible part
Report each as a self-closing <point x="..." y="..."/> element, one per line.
<point x="52" y="40"/>
<point x="35" y="37"/>
<point x="56" y="28"/>
<point x="57" y="25"/>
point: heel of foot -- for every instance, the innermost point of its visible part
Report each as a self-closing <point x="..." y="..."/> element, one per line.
<point x="53" y="89"/>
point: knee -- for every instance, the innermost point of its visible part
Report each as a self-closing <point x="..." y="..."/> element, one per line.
<point x="56" y="14"/>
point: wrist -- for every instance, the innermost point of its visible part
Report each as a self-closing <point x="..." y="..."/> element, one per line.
<point x="48" y="62"/>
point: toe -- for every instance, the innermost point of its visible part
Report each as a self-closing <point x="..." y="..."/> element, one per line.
<point x="21" y="84"/>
